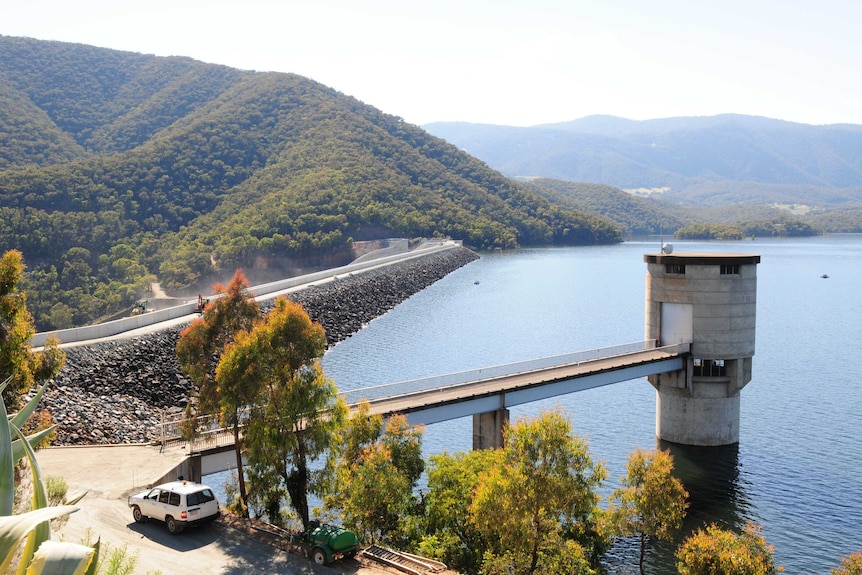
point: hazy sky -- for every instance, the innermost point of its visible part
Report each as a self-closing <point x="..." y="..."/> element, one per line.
<point x="510" y="62"/>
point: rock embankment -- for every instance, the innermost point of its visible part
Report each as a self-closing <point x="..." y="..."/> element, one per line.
<point x="118" y="391"/>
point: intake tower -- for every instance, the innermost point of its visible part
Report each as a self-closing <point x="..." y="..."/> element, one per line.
<point x="709" y="300"/>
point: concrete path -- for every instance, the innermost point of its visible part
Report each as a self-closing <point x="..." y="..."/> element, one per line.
<point x="111" y="471"/>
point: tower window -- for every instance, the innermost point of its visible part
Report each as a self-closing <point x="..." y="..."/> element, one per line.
<point x="730" y="269"/>
<point x="674" y="269"/>
<point x="709" y="368"/>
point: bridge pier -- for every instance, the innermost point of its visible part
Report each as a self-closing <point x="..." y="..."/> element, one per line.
<point x="488" y="429"/>
<point x="708" y="300"/>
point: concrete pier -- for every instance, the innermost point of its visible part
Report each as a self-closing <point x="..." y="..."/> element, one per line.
<point x="709" y="300"/>
<point x="488" y="429"/>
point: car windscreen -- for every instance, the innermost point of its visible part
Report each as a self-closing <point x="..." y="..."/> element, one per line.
<point x="199" y="497"/>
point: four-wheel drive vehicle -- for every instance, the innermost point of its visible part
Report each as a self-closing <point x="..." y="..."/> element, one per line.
<point x="328" y="543"/>
<point x="179" y="504"/>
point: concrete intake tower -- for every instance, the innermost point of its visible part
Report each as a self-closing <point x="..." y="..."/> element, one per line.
<point x="708" y="300"/>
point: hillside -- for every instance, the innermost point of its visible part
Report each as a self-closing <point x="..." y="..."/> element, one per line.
<point x="119" y="169"/>
<point x="702" y="161"/>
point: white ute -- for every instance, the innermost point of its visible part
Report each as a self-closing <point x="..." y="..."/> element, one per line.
<point x="178" y="503"/>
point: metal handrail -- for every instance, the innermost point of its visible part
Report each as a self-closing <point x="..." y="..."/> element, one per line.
<point x="207" y="427"/>
<point x="473" y="375"/>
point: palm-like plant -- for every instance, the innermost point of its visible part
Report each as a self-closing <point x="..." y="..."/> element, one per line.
<point x="39" y="555"/>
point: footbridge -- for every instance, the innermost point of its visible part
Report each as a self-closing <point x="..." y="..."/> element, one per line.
<point x="486" y="394"/>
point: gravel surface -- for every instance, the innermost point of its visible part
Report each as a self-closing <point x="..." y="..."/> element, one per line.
<point x="116" y="392"/>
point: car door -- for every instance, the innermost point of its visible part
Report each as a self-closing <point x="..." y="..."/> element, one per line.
<point x="150" y="504"/>
<point x="160" y="504"/>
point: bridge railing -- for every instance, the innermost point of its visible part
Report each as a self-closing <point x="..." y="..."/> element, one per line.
<point x="200" y="433"/>
<point x="452" y="379"/>
<point x="209" y="434"/>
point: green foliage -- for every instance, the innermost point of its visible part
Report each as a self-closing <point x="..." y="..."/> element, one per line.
<point x="119" y="166"/>
<point x="39" y="554"/>
<point x="231" y="309"/>
<point x="295" y="409"/>
<point x="115" y="560"/>
<point x="704" y="231"/>
<point x="717" y="551"/>
<point x="447" y="534"/>
<point x="373" y="476"/>
<point x="18" y="362"/>
<point x="651" y="501"/>
<point x="780" y="226"/>
<point x="569" y="559"/>
<point x="636" y="216"/>
<point x="57" y="488"/>
<point x="542" y="493"/>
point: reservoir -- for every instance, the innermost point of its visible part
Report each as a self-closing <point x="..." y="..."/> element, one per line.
<point x="795" y="469"/>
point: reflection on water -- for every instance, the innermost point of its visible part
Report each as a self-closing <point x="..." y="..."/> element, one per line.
<point x="711" y="477"/>
<point x="715" y="495"/>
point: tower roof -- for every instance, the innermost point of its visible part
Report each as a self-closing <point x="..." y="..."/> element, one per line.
<point x="702" y="258"/>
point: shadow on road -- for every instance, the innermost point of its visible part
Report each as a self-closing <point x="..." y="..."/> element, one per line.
<point x="191" y="538"/>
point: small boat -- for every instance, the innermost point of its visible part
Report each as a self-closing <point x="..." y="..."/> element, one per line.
<point x="824" y="276"/>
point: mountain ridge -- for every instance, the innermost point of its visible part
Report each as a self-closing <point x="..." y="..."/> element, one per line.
<point x="120" y="169"/>
<point x="694" y="157"/>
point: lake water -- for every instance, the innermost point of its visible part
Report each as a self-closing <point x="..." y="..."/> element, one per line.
<point x="795" y="470"/>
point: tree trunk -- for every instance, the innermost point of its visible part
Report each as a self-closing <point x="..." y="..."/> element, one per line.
<point x="296" y="482"/>
<point x="243" y="496"/>
<point x="643" y="552"/>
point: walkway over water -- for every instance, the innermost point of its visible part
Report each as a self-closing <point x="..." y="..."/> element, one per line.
<point x="441" y="398"/>
<point x="455" y="395"/>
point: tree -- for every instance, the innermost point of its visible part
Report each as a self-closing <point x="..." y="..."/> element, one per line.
<point x="296" y="411"/>
<point x="540" y="495"/>
<point x="375" y="474"/>
<point x="850" y="565"/>
<point x="717" y="551"/>
<point x="199" y="348"/>
<point x="17" y="360"/>
<point x="652" y="502"/>
<point x="448" y="534"/>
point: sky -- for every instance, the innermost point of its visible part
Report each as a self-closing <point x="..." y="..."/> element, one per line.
<point x="507" y="62"/>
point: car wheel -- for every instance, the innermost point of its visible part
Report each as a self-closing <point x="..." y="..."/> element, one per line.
<point x="319" y="556"/>
<point x="139" y="517"/>
<point x="173" y="525"/>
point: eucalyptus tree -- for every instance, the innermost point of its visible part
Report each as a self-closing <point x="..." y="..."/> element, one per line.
<point x="537" y="505"/>
<point x="199" y="350"/>
<point x="651" y="501"/>
<point x="447" y="533"/>
<point x="716" y="551"/>
<point x="296" y="411"/>
<point x="374" y="471"/>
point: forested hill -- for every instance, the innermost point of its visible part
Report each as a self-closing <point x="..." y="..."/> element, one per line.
<point x="118" y="168"/>
<point x="699" y="161"/>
